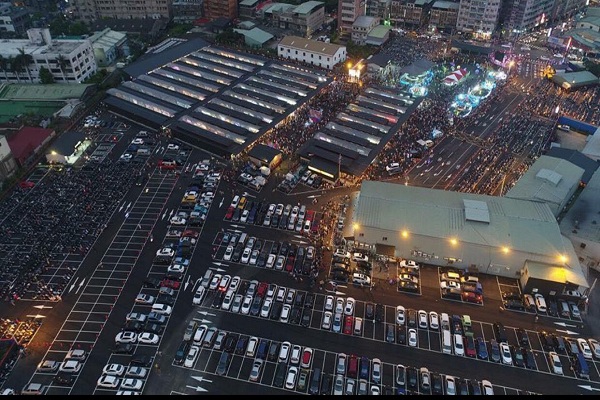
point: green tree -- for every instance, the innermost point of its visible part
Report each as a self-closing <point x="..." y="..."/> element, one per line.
<point x="62" y="65"/>
<point x="78" y="29"/>
<point x="46" y="76"/>
<point x="179" y="29"/>
<point x="14" y="65"/>
<point x="593" y="67"/>
<point x="230" y="37"/>
<point x="24" y="61"/>
<point x="4" y="66"/>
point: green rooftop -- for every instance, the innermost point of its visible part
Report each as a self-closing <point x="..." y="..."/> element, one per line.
<point x="39" y="92"/>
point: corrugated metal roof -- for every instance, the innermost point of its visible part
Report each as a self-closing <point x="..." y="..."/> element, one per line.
<point x="522" y="225"/>
<point x="256" y="35"/>
<point x="583" y="218"/>
<point x="556" y="273"/>
<point x="549" y="179"/>
<point x="380" y="31"/>
<point x="308" y="7"/>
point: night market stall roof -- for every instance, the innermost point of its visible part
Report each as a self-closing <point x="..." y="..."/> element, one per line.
<point x="417" y="68"/>
<point x="574" y="80"/>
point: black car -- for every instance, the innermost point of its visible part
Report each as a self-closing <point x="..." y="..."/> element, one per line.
<point x="437" y="384"/>
<point x="408" y="286"/>
<point x="64" y="378"/>
<point x="240" y="346"/>
<point x="462" y="387"/>
<point x="401" y="335"/>
<point x="306" y="314"/>
<point x="339" y="276"/>
<point x="262" y="259"/>
<point x="218" y="299"/>
<point x="326" y="384"/>
<point x="299" y="300"/>
<point x="411" y="319"/>
<point x="370" y="311"/>
<point x="513" y="304"/>
<point x="276" y="308"/>
<point x="546" y="340"/>
<point x="553" y="308"/>
<point x="365" y="265"/>
<point x="529" y="358"/>
<point x="141" y="360"/>
<point x="295" y="315"/>
<point x="517" y="356"/>
<point x="511" y="296"/>
<point x="273" y="351"/>
<point x="133" y="326"/>
<point x="412" y="378"/>
<point x="283" y="222"/>
<point x="151" y="282"/>
<point x="280" y="374"/>
<point x="523" y="337"/>
<point x="309" y="300"/>
<point x="237" y="253"/>
<point x="255" y="307"/>
<point x="154" y="328"/>
<point x="230" y="342"/>
<point x="379" y="312"/>
<point x="182" y="351"/>
<point x="285" y="248"/>
<point x="500" y="332"/>
<point x="165" y="299"/>
<point x="123" y="348"/>
<point x="275" y="248"/>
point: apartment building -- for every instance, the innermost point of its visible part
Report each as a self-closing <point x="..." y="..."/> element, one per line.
<point x="443" y="16"/>
<point x="478" y="17"/>
<point x="526" y="15"/>
<point x="14" y="19"/>
<point x="303" y="19"/>
<point x="69" y="61"/>
<point x="348" y="11"/>
<point x="361" y="28"/>
<point x="214" y="9"/>
<point x="91" y="10"/>
<point x="410" y="13"/>
<point x="187" y="11"/>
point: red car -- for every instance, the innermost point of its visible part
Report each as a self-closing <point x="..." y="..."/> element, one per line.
<point x="470" y="348"/>
<point x="229" y="213"/>
<point x="289" y="267"/>
<point x="26" y="184"/>
<point x="348" y="325"/>
<point x="472" y="297"/>
<point x="170" y="283"/>
<point x="190" y="233"/>
<point x="262" y="289"/>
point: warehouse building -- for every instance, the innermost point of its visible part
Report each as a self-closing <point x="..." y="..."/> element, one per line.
<point x="550" y="180"/>
<point x="494" y="235"/>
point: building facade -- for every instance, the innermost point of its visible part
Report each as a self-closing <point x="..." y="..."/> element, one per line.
<point x="526" y="15"/>
<point x="69" y="61"/>
<point x="13" y="19"/>
<point x="348" y="11"/>
<point x="91" y="10"/>
<point x="409" y="13"/>
<point x="214" y="9"/>
<point x="8" y="164"/>
<point x="187" y="11"/>
<point x="313" y="52"/>
<point x="478" y="17"/>
<point x="361" y="28"/>
<point x="443" y="16"/>
<point x="564" y="9"/>
<point x="302" y="20"/>
<point x="379" y="8"/>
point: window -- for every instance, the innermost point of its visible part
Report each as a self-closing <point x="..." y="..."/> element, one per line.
<point x="384" y="238"/>
<point x="361" y="234"/>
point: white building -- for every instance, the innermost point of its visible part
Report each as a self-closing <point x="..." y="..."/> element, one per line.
<point x="8" y="165"/>
<point x="478" y="17"/>
<point x="495" y="235"/>
<point x="313" y="52"/>
<point x="525" y="15"/>
<point x="361" y="28"/>
<point x="78" y="58"/>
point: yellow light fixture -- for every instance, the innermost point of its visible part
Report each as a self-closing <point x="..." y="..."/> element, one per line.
<point x="356" y="226"/>
<point x="404" y="234"/>
<point x="453" y="241"/>
<point x="505" y="250"/>
<point x="563" y="258"/>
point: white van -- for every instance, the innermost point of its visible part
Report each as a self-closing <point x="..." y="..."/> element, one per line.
<point x="207" y="278"/>
<point x="445" y="321"/>
<point x="540" y="303"/>
<point x="252" y="345"/>
<point x="446" y="342"/>
<point x="235" y="201"/>
<point x="459" y="347"/>
<point x="358" y="326"/>
<point x="243" y="238"/>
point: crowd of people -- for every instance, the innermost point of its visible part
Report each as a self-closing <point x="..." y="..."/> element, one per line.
<point x="63" y="214"/>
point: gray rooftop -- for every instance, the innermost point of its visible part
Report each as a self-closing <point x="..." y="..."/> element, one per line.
<point x="592" y="148"/>
<point x="523" y="225"/>
<point x="578" y="158"/>
<point x="446" y="5"/>
<point x="583" y="218"/>
<point x="308" y="7"/>
<point x="550" y="180"/>
<point x="364" y="21"/>
<point x="559" y="274"/>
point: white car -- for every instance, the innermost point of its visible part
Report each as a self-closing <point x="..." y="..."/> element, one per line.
<point x="144" y="298"/>
<point x="253" y="257"/>
<point x="266" y="308"/>
<point x="235" y="283"/>
<point x="228" y="300"/>
<point x="409" y="264"/>
<point x="126" y="157"/>
<point x="176" y="268"/>
<point x="246" y="255"/>
<point x="595" y="347"/>
<point x="284" y="351"/>
<point x="166" y="252"/>
<point x="337" y="322"/>
<point x="270" y="261"/>
<point x="585" y="349"/>
<point x="505" y="352"/>
<point x="360" y="257"/>
<point x="280" y="262"/>
<point x="422" y="317"/>
<point x="247" y="304"/>
<point x="412" y="337"/>
<point x="310" y="252"/>
<point x="70" y="366"/>
<point x="237" y="303"/>
<point x="281" y="291"/>
<point x="108" y="381"/>
<point x="487" y="387"/>
<point x="555" y="363"/>
<point x="256" y="369"/>
<point x="228" y="253"/>
<point x="295" y="354"/>
<point x="199" y="295"/>
<point x="393" y="166"/>
<point x="339" y="305"/>
<point x="376" y="370"/>
<point x="137" y="141"/>
<point x="113" y="369"/>
<point x="136" y="372"/>
<point x="191" y="357"/>
<point x="172" y="146"/>
<point x="329" y="300"/>
<point x="450" y="385"/>
<point x="349" y="307"/>
<point x="178" y="220"/>
<point x="126" y="337"/>
<point x="434" y="320"/>
<point x="131" y="384"/>
<point x="327" y="316"/>
<point x="244" y="216"/>
<point x="290" y="380"/>
<point x="400" y="315"/>
<point x="148" y="338"/>
<point x="449" y="285"/>
<point x="214" y="283"/>
<point x="224" y="283"/>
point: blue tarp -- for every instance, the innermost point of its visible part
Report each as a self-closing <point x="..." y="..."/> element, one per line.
<point x="576" y="125"/>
